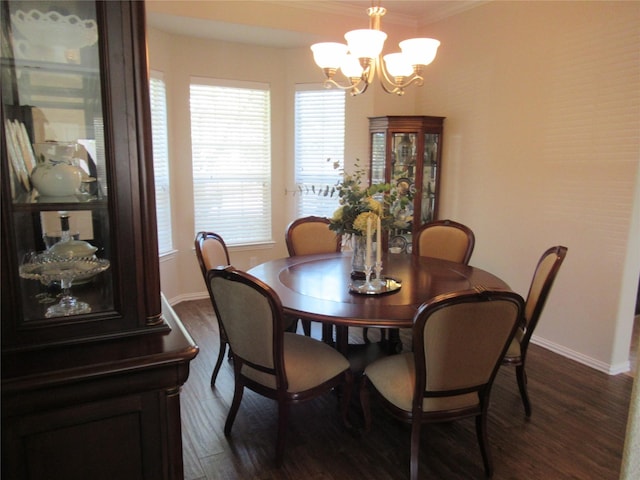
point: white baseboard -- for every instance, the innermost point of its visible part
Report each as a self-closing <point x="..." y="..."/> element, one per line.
<point x="607" y="368"/>
<point x="186" y="297"/>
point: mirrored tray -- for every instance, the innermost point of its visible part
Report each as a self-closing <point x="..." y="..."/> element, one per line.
<point x="376" y="287"/>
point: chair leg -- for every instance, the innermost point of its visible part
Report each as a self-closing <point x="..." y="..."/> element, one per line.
<point x="306" y="327"/>
<point x="481" y="432"/>
<point x="224" y="341"/>
<point x="364" y="403"/>
<point x="283" y="418"/>
<point x="521" y="375"/>
<point x="235" y="404"/>
<point x="415" y="448"/>
<point x="365" y="335"/>
<point x="216" y="369"/>
<point x="327" y="333"/>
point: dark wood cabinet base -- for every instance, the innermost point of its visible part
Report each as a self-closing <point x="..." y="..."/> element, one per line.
<point x="118" y="418"/>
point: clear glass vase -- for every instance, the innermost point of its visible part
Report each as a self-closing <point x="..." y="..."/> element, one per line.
<point x="359" y="247"/>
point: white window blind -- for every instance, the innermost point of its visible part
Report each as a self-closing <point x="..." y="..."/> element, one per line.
<point x="161" y="161"/>
<point x="319" y="144"/>
<point x="231" y="155"/>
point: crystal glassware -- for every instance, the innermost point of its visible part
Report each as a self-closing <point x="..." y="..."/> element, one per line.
<point x="47" y="268"/>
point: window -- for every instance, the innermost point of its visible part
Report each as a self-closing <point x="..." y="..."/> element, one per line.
<point x="161" y="161"/>
<point x="319" y="144"/>
<point x="231" y="155"/>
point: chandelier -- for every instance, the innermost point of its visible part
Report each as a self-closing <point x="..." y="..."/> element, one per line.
<point x="361" y="58"/>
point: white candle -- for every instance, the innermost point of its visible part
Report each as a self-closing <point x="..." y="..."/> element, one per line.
<point x="378" y="242"/>
<point x="367" y="260"/>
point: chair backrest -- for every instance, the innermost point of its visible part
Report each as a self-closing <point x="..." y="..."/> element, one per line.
<point x="543" y="278"/>
<point x="445" y="239"/>
<point x="251" y="315"/>
<point x="459" y="340"/>
<point x="211" y="251"/>
<point x="311" y="235"/>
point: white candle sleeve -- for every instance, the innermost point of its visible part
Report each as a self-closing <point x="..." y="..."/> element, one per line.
<point x="367" y="260"/>
<point x="378" y="242"/>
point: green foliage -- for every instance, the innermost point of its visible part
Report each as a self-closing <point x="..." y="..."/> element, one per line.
<point x="359" y="202"/>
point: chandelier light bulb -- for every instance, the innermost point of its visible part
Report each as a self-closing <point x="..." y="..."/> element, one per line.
<point x="420" y="51"/>
<point x="398" y="65"/>
<point x="365" y="43"/>
<point x="329" y="54"/>
<point x="351" y="67"/>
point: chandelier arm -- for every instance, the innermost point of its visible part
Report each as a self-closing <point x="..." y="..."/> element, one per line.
<point x="369" y="71"/>
<point x="357" y="91"/>
<point x="353" y="88"/>
<point x="417" y="79"/>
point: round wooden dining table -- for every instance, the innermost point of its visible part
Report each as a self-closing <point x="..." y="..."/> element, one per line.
<point x="317" y="288"/>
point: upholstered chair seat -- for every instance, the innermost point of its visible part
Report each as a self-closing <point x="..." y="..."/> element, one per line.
<point x="301" y="375"/>
<point x="515" y="351"/>
<point x="394" y="378"/>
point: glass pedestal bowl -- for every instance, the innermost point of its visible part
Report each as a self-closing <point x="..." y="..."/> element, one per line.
<point x="48" y="268"/>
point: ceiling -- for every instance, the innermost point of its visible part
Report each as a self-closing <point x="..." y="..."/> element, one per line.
<point x="400" y="11"/>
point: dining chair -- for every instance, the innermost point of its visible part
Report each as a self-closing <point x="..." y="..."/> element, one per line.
<point x="309" y="236"/>
<point x="212" y="252"/>
<point x="543" y="278"/>
<point x="444" y="239"/>
<point x="459" y="340"/>
<point x="280" y="365"/>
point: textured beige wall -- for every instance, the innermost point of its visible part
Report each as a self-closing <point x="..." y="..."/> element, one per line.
<point x="542" y="143"/>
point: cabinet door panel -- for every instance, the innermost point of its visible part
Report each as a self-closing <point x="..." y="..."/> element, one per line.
<point x="100" y="440"/>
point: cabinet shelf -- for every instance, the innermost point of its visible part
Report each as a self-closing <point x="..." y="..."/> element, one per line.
<point x="30" y="201"/>
<point x="48" y="67"/>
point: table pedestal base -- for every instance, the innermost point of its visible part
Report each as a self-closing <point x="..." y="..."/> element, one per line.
<point x="361" y="355"/>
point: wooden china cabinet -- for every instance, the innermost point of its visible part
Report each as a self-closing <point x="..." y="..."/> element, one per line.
<point x="93" y="357"/>
<point x="406" y="151"/>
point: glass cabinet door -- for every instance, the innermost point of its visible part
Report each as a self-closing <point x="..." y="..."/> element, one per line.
<point x="53" y="127"/>
<point x="61" y="155"/>
<point x="378" y="146"/>
<point x="406" y="153"/>
<point x="429" y="177"/>
<point x="403" y="177"/>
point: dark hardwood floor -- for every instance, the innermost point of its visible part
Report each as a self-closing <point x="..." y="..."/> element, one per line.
<point x="576" y="431"/>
